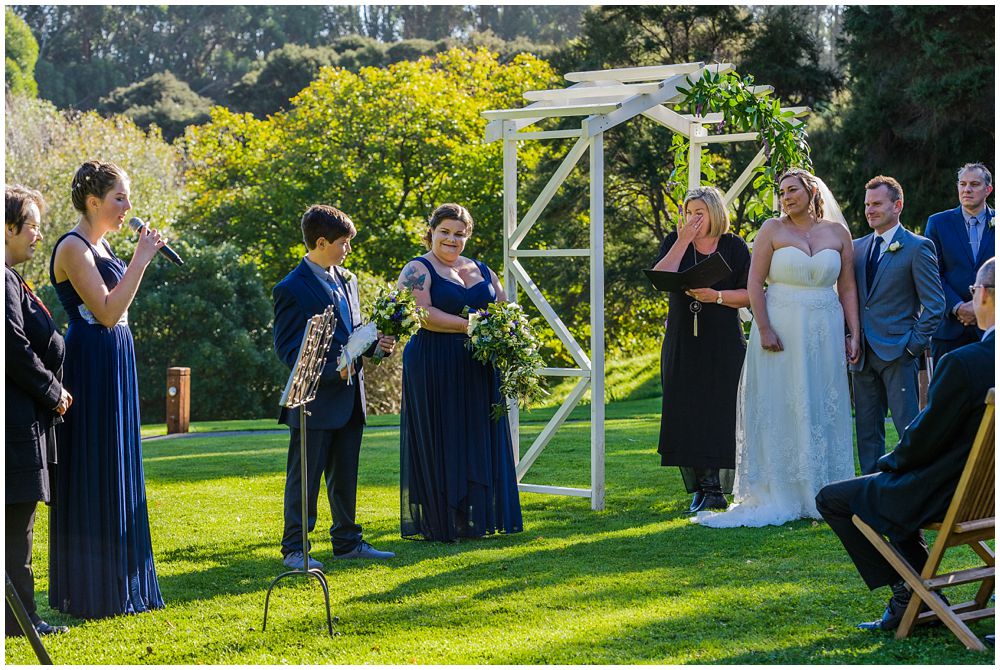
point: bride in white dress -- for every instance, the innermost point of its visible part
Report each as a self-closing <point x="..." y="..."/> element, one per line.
<point x="793" y="425"/>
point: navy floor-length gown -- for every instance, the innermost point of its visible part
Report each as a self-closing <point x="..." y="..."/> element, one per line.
<point x="101" y="562"/>
<point x="456" y="463"/>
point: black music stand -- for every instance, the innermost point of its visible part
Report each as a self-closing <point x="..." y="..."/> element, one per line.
<point x="299" y="391"/>
<point x="24" y="621"/>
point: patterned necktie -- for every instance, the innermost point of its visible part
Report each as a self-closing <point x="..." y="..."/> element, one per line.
<point x="872" y="267"/>
<point x="974" y="235"/>
<point x="342" y="305"/>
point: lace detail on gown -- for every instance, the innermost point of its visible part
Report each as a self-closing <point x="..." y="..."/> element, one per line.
<point x="793" y="423"/>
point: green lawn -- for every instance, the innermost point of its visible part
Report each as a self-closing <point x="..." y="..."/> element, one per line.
<point x="635" y="583"/>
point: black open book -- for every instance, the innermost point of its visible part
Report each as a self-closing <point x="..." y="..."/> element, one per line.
<point x="701" y="275"/>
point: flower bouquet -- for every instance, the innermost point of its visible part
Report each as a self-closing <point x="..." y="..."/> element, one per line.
<point x="395" y="313"/>
<point x="502" y="335"/>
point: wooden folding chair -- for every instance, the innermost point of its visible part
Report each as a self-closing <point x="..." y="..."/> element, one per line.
<point x="969" y="521"/>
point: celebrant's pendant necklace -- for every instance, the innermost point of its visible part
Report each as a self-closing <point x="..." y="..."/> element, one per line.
<point x="695" y="306"/>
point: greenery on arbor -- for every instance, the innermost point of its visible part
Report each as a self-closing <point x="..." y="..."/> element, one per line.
<point x="921" y="102"/>
<point x="20" y="55"/>
<point x="782" y="138"/>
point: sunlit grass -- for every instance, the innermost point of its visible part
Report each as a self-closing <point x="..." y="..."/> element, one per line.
<point x="634" y="583"/>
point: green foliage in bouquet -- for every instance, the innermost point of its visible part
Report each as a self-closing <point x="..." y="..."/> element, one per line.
<point x="502" y="335"/>
<point x="395" y="313"/>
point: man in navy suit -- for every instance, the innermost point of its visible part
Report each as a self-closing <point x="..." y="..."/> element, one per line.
<point x="337" y="414"/>
<point x="964" y="239"/>
<point x="917" y="480"/>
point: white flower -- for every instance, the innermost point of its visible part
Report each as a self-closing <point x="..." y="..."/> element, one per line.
<point x="895" y="246"/>
<point x="473" y="323"/>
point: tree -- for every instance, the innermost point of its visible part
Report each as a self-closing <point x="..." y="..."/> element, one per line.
<point x="212" y="315"/>
<point x="784" y="53"/>
<point x="385" y="145"/>
<point x="268" y="86"/>
<point x="161" y="99"/>
<point x="44" y="147"/>
<point x="921" y="103"/>
<point x="20" y="55"/>
<point x="88" y="50"/>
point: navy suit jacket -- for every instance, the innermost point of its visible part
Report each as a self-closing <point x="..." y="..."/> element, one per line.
<point x="298" y="297"/>
<point x="955" y="262"/>
<point x="919" y="478"/>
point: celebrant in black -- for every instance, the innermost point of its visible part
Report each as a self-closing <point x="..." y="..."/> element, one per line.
<point x="703" y="352"/>
<point x="35" y="401"/>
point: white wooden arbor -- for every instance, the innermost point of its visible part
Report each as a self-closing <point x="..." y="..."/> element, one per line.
<point x="602" y="99"/>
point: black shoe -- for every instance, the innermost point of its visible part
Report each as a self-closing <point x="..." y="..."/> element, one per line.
<point x="43" y="628"/>
<point x="890" y="618"/>
<point x="715" y="500"/>
<point x="990" y="640"/>
<point x="696" y="501"/>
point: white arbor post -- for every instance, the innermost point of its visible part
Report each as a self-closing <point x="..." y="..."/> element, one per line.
<point x="597" y="321"/>
<point x="509" y="223"/>
<point x="603" y="99"/>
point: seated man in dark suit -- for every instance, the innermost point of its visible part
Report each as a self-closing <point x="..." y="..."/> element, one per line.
<point x="337" y="414"/>
<point x="917" y="480"/>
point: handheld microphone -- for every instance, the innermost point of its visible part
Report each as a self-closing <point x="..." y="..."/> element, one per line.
<point x="137" y="224"/>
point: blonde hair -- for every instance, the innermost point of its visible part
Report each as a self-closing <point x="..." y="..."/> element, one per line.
<point x="718" y="213"/>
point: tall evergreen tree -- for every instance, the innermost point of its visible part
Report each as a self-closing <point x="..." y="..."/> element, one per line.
<point x="20" y="56"/>
<point x="921" y="103"/>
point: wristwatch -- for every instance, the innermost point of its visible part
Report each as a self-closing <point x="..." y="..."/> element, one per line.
<point x="718" y="301"/>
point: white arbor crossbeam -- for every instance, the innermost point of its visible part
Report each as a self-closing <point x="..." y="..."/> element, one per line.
<point x="601" y="99"/>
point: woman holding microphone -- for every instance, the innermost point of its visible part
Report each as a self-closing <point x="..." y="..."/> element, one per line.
<point x="102" y="559"/>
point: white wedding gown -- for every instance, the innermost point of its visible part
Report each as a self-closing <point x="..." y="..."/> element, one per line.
<point x="793" y="423"/>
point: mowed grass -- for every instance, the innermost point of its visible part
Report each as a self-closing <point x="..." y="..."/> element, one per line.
<point x="634" y="583"/>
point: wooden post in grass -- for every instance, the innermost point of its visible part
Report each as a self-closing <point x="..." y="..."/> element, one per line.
<point x="178" y="400"/>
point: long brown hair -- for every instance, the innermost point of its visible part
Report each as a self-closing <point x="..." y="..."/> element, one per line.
<point x="809" y="183"/>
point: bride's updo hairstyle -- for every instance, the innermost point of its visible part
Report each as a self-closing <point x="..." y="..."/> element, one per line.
<point x="94" y="178"/>
<point x="808" y="182"/>
<point x="448" y="211"/>
<point x="715" y="202"/>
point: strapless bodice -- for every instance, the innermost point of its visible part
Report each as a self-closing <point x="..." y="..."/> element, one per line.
<point x="791" y="266"/>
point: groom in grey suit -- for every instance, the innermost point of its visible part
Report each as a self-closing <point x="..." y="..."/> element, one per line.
<point x="901" y="304"/>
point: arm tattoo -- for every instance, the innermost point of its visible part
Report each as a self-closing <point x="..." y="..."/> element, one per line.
<point x="413" y="279"/>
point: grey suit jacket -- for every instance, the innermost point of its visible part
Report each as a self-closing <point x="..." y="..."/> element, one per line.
<point x="905" y="303"/>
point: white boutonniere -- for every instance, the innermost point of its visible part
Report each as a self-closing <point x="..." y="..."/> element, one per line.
<point x="347" y="274"/>
<point x="894" y="247"/>
<point x="989" y="221"/>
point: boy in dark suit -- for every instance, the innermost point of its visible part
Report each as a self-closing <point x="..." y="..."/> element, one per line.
<point x="917" y="480"/>
<point x="964" y="239"/>
<point x="337" y="414"/>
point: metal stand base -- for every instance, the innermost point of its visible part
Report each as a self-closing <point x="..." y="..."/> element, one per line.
<point x="24" y="621"/>
<point x="318" y="574"/>
<point x="306" y="570"/>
